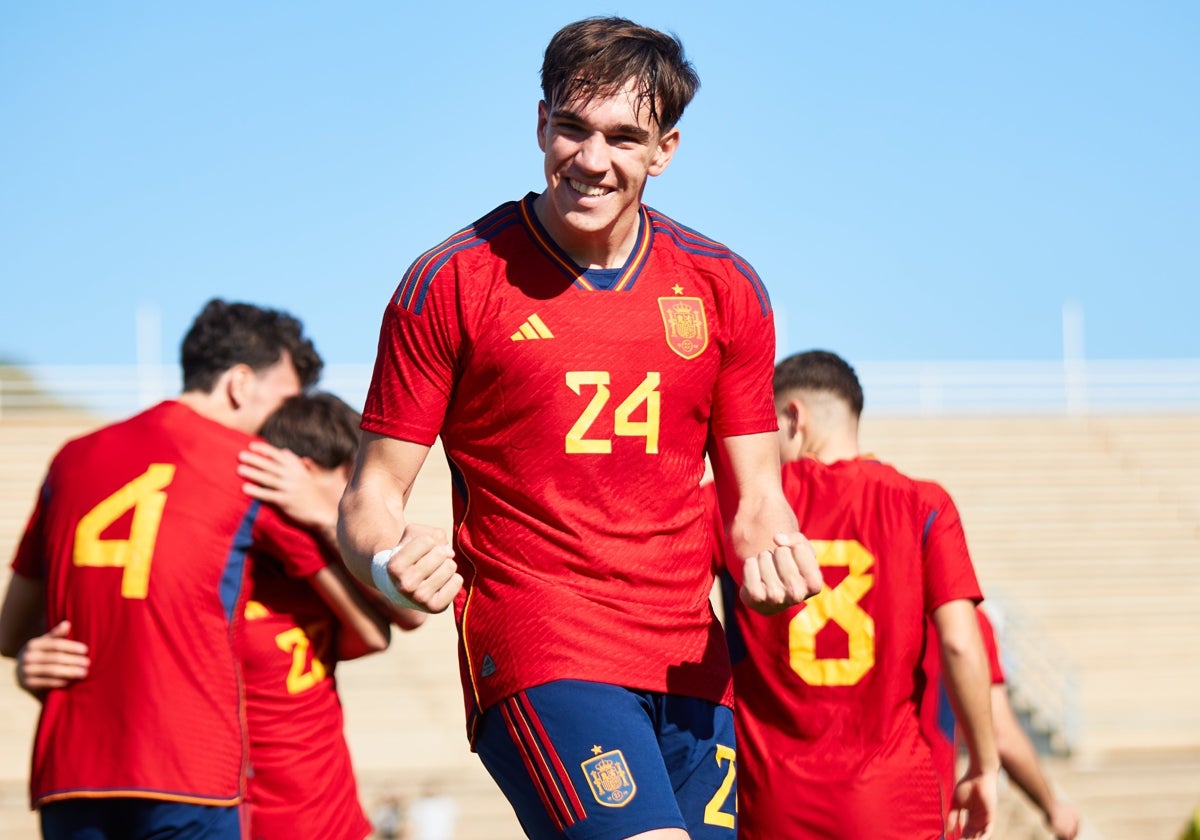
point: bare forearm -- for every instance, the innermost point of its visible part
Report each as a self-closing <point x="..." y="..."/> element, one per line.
<point x="366" y="525"/>
<point x="1017" y="754"/>
<point x="968" y="681"/>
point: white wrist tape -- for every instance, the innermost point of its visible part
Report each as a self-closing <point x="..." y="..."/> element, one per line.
<point x="383" y="581"/>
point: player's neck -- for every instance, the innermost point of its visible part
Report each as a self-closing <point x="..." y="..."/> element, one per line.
<point x="211" y="406"/>
<point x="607" y="247"/>
<point x="829" y="449"/>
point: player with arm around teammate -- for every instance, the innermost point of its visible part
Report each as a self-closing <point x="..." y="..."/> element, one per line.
<point x="136" y="553"/>
<point x="576" y="351"/>
<point x="302" y="784"/>
<point x="299" y="624"/>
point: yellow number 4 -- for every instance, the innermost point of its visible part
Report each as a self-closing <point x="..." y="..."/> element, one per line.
<point x="145" y="497"/>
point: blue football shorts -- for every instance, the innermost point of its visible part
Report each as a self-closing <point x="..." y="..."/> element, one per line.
<point x="592" y="761"/>
<point x="121" y="818"/>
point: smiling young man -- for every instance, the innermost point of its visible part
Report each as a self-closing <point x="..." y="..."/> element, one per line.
<point x="579" y="353"/>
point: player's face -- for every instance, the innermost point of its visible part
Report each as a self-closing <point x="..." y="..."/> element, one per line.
<point x="598" y="154"/>
<point x="265" y="390"/>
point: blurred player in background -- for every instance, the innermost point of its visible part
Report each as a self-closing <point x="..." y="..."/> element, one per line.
<point x="829" y="739"/>
<point x="577" y="352"/>
<point x="135" y="558"/>
<point x="301" y="783"/>
<point x="1018" y="756"/>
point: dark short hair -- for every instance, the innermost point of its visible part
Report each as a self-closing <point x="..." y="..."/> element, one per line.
<point x="319" y="426"/>
<point x="226" y="334"/>
<point x="598" y="55"/>
<point x="820" y="370"/>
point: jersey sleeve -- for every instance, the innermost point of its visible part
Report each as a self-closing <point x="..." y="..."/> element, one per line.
<point x="298" y="550"/>
<point x="417" y="356"/>
<point x="989" y="644"/>
<point x="949" y="573"/>
<point x="716" y="526"/>
<point x="30" y="559"/>
<point x="742" y="402"/>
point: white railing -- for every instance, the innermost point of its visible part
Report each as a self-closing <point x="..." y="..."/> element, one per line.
<point x="926" y="388"/>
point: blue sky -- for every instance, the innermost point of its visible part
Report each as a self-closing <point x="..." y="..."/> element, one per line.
<point x="917" y="181"/>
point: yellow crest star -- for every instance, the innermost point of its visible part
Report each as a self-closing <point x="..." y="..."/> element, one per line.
<point x="597" y="749"/>
<point x="677" y="289"/>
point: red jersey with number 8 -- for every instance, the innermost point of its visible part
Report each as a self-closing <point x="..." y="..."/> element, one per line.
<point x="828" y="690"/>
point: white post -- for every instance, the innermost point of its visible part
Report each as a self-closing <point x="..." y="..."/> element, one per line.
<point x="1074" y="365"/>
<point x="149" y="354"/>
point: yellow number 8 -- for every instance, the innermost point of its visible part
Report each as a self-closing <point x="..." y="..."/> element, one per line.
<point x="839" y="605"/>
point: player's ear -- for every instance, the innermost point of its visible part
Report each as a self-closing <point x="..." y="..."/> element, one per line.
<point x="543" y="123"/>
<point x="237" y="382"/>
<point x="796" y="416"/>
<point x="664" y="151"/>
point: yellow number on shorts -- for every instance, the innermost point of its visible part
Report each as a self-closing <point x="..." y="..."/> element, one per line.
<point x="646" y="393"/>
<point x="841" y="606"/>
<point x="145" y="497"/>
<point x="302" y="675"/>
<point x="713" y="815"/>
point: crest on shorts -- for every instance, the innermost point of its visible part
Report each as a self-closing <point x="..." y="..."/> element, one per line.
<point x="609" y="778"/>
<point x="686" y="325"/>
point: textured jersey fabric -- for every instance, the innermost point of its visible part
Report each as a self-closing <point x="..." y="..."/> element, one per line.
<point x="575" y="409"/>
<point x="301" y="784"/>
<point x="828" y="738"/>
<point x="140" y="535"/>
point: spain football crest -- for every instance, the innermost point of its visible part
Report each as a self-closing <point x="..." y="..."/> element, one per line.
<point x="686" y="325"/>
<point x="609" y="778"/>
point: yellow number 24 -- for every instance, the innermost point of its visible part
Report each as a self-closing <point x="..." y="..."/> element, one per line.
<point x="646" y="393"/>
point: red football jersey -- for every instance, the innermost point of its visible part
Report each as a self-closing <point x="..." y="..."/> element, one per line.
<point x="828" y="738"/>
<point x="301" y="782"/>
<point x="938" y="724"/>
<point x="140" y="535"/>
<point x="574" y="408"/>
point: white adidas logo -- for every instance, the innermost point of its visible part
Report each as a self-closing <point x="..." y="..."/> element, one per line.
<point x="533" y="328"/>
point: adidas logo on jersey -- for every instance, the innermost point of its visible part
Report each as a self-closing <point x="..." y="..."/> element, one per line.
<point x="533" y="328"/>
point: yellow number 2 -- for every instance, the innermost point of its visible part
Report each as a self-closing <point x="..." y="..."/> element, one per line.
<point x="303" y="675"/>
<point x="841" y="606"/>
<point x="713" y="815"/>
<point x="145" y="497"/>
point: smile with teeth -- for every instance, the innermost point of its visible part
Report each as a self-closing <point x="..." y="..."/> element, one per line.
<point x="587" y="189"/>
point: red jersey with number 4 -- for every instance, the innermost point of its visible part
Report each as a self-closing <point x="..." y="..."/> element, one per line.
<point x="828" y="738"/>
<point x="140" y="535"/>
<point x="575" y="408"/>
<point x="301" y="783"/>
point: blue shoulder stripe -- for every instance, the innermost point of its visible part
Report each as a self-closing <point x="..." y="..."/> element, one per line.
<point x="414" y="287"/>
<point x="693" y="242"/>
